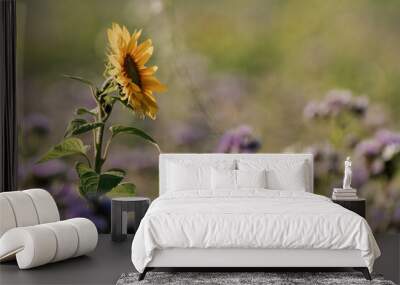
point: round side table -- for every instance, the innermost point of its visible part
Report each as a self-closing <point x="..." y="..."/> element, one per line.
<point x="119" y="214"/>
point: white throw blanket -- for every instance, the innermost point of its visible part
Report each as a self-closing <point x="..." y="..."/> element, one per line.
<point x="250" y="219"/>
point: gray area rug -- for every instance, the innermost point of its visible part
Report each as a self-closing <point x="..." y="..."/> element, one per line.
<point x="229" y="278"/>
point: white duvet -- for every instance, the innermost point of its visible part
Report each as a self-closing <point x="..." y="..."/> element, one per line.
<point x="250" y="219"/>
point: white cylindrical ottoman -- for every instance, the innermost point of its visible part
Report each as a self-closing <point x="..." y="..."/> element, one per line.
<point x="52" y="242"/>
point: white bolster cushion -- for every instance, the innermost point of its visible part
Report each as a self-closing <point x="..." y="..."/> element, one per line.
<point x="40" y="244"/>
<point x="26" y="208"/>
<point x="33" y="246"/>
<point x="7" y="219"/>
<point x="22" y="207"/>
<point x="66" y="239"/>
<point x="87" y="235"/>
<point x="45" y="205"/>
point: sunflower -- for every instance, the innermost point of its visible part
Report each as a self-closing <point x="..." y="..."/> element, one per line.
<point x="126" y="63"/>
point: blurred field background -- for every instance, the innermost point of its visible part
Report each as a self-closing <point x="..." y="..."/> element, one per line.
<point x="242" y="76"/>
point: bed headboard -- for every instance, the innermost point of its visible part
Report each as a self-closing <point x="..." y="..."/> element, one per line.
<point x="195" y="157"/>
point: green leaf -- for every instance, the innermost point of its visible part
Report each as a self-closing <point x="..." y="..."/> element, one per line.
<point x="118" y="170"/>
<point x="124" y="103"/>
<point x="92" y="182"/>
<point x="88" y="179"/>
<point x="119" y="129"/>
<point x="75" y="123"/>
<point x="79" y="126"/>
<point x="109" y="89"/>
<point x="123" y="189"/>
<point x="83" y="111"/>
<point x="67" y="147"/>
<point x="110" y="179"/>
<point x="80" y="79"/>
<point x="85" y="128"/>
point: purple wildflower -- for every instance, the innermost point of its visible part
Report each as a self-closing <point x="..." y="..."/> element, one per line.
<point x="360" y="105"/>
<point x="369" y="148"/>
<point x="334" y="103"/>
<point x="385" y="144"/>
<point x="326" y="159"/>
<point x="49" y="169"/>
<point x="396" y="213"/>
<point x="311" y="110"/>
<point x="337" y="100"/>
<point x="36" y="123"/>
<point x="72" y="205"/>
<point x="387" y="137"/>
<point x="377" y="217"/>
<point x="377" y="167"/>
<point x="390" y="151"/>
<point x="360" y="175"/>
<point x="238" y="140"/>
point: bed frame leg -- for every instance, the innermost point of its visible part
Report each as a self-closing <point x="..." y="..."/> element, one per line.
<point x="143" y="274"/>
<point x="364" y="271"/>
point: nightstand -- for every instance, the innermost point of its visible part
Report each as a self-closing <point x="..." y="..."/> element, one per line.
<point x="119" y="214"/>
<point x="357" y="205"/>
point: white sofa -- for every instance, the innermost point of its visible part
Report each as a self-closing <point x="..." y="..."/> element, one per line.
<point x="31" y="230"/>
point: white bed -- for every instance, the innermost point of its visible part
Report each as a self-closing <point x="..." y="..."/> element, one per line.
<point x="280" y="225"/>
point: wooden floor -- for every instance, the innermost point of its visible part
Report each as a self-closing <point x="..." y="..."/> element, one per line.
<point x="103" y="266"/>
<point x="110" y="259"/>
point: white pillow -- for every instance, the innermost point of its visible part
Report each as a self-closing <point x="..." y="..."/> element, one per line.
<point x="251" y="178"/>
<point x="223" y="179"/>
<point x="227" y="179"/>
<point x="193" y="174"/>
<point x="188" y="177"/>
<point x="282" y="174"/>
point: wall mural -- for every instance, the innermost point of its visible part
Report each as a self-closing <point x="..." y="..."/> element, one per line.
<point x="242" y="76"/>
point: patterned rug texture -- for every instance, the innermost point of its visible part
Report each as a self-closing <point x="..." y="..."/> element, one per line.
<point x="243" y="278"/>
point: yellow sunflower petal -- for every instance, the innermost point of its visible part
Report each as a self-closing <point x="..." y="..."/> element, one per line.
<point x="149" y="95"/>
<point x="142" y="47"/>
<point x="152" y="83"/>
<point x="134" y="87"/>
<point x="141" y="60"/>
<point x="136" y="35"/>
<point x="115" y="61"/>
<point x="147" y="71"/>
<point x="126" y="36"/>
<point x="132" y="44"/>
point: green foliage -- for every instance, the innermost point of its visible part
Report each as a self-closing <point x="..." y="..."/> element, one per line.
<point x="80" y="126"/>
<point x="68" y="147"/>
<point x="88" y="179"/>
<point x="120" y="129"/>
<point x="92" y="182"/>
<point x="83" y="111"/>
<point x="108" y="89"/>
<point x="74" y="124"/>
<point x="123" y="103"/>
<point x="123" y="189"/>
<point x="110" y="179"/>
<point x="80" y="79"/>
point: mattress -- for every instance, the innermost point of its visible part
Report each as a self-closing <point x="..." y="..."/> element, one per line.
<point x="250" y="219"/>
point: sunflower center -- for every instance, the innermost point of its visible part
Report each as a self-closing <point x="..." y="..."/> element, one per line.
<point x="132" y="70"/>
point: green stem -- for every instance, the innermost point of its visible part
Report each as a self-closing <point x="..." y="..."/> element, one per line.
<point x="106" y="149"/>
<point x="102" y="116"/>
<point x="88" y="160"/>
<point x="98" y="160"/>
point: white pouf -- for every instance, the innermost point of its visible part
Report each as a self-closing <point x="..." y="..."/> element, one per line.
<point x="31" y="232"/>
